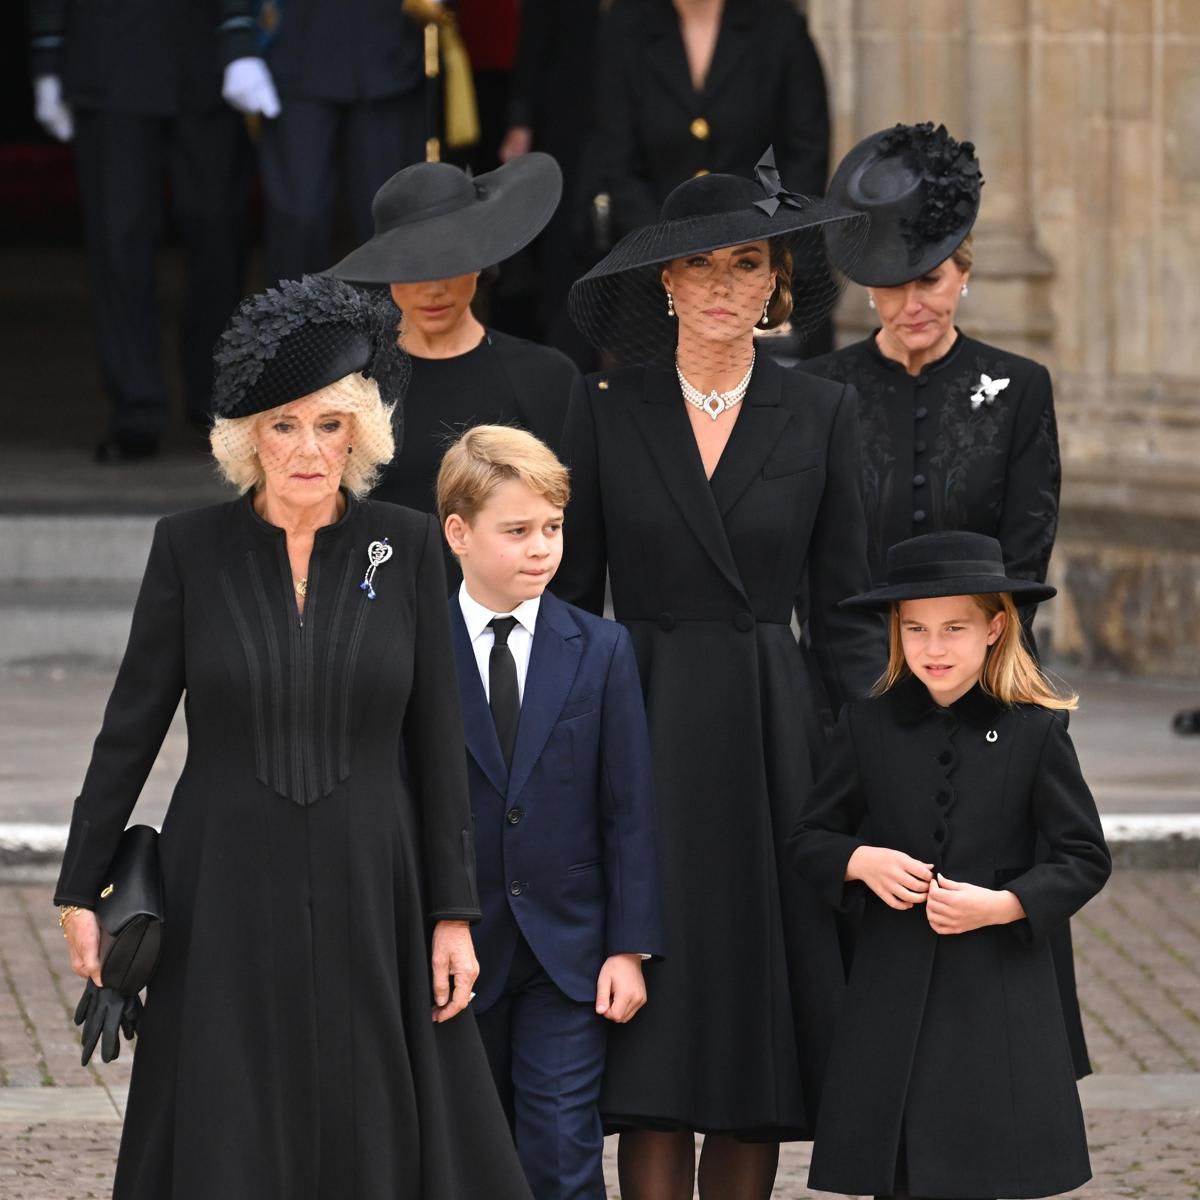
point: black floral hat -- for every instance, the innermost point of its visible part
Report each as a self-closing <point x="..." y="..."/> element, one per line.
<point x="920" y="189"/>
<point x="949" y="563"/>
<point x="295" y="339"/>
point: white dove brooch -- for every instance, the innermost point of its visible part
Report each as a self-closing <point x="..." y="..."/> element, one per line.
<point x="986" y="391"/>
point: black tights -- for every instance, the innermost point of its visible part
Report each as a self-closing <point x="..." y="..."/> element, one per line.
<point x="662" y="1166"/>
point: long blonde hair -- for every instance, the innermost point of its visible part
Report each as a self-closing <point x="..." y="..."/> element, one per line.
<point x="1010" y="674"/>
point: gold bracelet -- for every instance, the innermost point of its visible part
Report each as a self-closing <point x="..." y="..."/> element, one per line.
<point x="65" y="912"/>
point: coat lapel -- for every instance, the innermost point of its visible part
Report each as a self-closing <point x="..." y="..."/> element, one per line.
<point x="665" y="55"/>
<point x="480" y="729"/>
<point x="733" y="43"/>
<point x="553" y="663"/>
<point x="672" y="445"/>
<point x="754" y="437"/>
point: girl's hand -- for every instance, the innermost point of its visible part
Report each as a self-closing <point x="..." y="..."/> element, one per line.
<point x="898" y="880"/>
<point x="961" y="907"/>
<point x="83" y="940"/>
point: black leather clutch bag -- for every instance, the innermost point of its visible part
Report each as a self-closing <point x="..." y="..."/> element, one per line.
<point x="130" y="912"/>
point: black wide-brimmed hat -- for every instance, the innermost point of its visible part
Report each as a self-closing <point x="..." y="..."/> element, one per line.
<point x="920" y="189"/>
<point x="950" y="563"/>
<point x="620" y="304"/>
<point x="300" y="337"/>
<point x="434" y="221"/>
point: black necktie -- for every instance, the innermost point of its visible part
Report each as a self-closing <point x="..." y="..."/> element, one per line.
<point x="504" y="695"/>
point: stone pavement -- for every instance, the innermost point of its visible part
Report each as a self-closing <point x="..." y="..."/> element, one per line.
<point x="1138" y="953"/>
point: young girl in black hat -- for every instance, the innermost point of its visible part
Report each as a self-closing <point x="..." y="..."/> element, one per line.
<point x="951" y="1073"/>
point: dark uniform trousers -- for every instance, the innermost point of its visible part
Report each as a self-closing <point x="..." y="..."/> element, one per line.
<point x="120" y="159"/>
<point x="298" y="157"/>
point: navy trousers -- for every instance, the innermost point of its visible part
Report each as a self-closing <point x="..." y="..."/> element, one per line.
<point x="547" y="1056"/>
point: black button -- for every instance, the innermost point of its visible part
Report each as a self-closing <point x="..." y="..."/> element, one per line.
<point x="516" y="887"/>
<point x="514" y="815"/>
<point x="921" y="413"/>
<point x="743" y="622"/>
<point x="918" y="516"/>
<point x="922" y="381"/>
<point x="919" y="447"/>
<point x="946" y="757"/>
<point x="666" y="622"/>
<point x="943" y="798"/>
<point x="939" y="835"/>
<point x="918" y="481"/>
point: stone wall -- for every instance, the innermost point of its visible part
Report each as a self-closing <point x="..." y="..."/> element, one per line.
<point x="1086" y="115"/>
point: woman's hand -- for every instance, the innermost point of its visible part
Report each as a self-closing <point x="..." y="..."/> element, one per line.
<point x="453" y="957"/>
<point x="961" y="907"/>
<point x="897" y="879"/>
<point x="83" y="940"/>
<point x="620" y="988"/>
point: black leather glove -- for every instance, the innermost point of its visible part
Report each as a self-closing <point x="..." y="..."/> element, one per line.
<point x="105" y="1014"/>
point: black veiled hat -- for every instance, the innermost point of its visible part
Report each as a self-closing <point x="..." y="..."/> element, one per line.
<point x="620" y="303"/>
<point x="434" y="221"/>
<point x="949" y="563"/>
<point x="920" y="189"/>
<point x="295" y="339"/>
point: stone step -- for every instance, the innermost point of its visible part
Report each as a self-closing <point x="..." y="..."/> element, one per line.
<point x="41" y="549"/>
<point x="66" y="620"/>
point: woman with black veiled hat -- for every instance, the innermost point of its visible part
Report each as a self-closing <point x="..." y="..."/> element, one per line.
<point x="436" y="230"/>
<point x="956" y="434"/>
<point x="708" y="482"/>
<point x="300" y="1040"/>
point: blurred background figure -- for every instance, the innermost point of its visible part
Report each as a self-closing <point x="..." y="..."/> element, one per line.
<point x="135" y="87"/>
<point x="343" y="91"/>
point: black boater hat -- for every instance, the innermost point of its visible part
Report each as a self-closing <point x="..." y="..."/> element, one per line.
<point x="920" y="189"/>
<point x="620" y="304"/>
<point x="434" y="221"/>
<point x="298" y="338"/>
<point x="950" y="563"/>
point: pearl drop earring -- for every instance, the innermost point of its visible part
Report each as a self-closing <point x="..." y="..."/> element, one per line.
<point x="964" y="290"/>
<point x="765" y="316"/>
<point x="670" y="305"/>
<point x="870" y="300"/>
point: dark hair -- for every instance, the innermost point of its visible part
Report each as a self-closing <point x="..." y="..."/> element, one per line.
<point x="779" y="307"/>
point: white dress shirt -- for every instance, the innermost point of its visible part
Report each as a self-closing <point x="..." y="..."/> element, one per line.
<point x="520" y="640"/>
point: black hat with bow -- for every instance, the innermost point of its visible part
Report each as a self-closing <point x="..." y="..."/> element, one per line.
<point x="949" y="563"/>
<point x="620" y="303"/>
<point x="920" y="189"/>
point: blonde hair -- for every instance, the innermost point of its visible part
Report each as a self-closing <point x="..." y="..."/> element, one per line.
<point x="964" y="256"/>
<point x="1010" y="673"/>
<point x="233" y="438"/>
<point x="486" y="456"/>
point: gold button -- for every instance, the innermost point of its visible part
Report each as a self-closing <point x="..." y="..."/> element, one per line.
<point x="702" y="171"/>
<point x="699" y="129"/>
<point x="603" y="385"/>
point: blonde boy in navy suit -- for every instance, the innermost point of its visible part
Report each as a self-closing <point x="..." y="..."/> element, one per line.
<point x="559" y="765"/>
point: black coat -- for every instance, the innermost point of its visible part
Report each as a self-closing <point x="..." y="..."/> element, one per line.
<point x="932" y="460"/>
<point x="320" y="825"/>
<point x="955" y="1043"/>
<point x="140" y="56"/>
<point x="652" y="130"/>
<point x="705" y="577"/>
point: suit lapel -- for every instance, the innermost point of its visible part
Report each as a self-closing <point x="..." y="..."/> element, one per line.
<point x="665" y="55"/>
<point x="553" y="664"/>
<point x="755" y="435"/>
<point x="480" y="729"/>
<point x="664" y="426"/>
<point x="734" y="41"/>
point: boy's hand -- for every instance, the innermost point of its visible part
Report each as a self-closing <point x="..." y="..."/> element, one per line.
<point x="620" y="988"/>
<point x="961" y="907"/>
<point x="899" y="880"/>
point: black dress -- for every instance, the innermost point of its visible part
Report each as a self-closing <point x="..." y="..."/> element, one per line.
<point x="705" y="577"/>
<point x="951" y="1051"/>
<point x="319" y="827"/>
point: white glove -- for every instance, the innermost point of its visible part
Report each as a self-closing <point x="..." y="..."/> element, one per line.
<point x="249" y="88"/>
<point x="52" y="111"/>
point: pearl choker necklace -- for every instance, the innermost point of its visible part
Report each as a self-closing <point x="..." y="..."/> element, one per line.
<point x="715" y="403"/>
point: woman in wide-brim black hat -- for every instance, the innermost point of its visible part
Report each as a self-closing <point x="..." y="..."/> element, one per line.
<point x="954" y="804"/>
<point x="436" y="230"/>
<point x="957" y="434"/>
<point x="298" y="1038"/>
<point x="708" y="483"/>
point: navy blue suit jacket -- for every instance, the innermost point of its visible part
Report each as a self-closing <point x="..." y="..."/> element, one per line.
<point x="566" y="846"/>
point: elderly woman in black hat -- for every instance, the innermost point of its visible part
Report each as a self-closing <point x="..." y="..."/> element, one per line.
<point x="436" y="230"/>
<point x="708" y="482"/>
<point x="295" y="1043"/>
<point x="956" y="434"/>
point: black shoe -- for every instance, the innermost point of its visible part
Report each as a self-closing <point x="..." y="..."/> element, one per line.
<point x="129" y="448"/>
<point x="1187" y="721"/>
